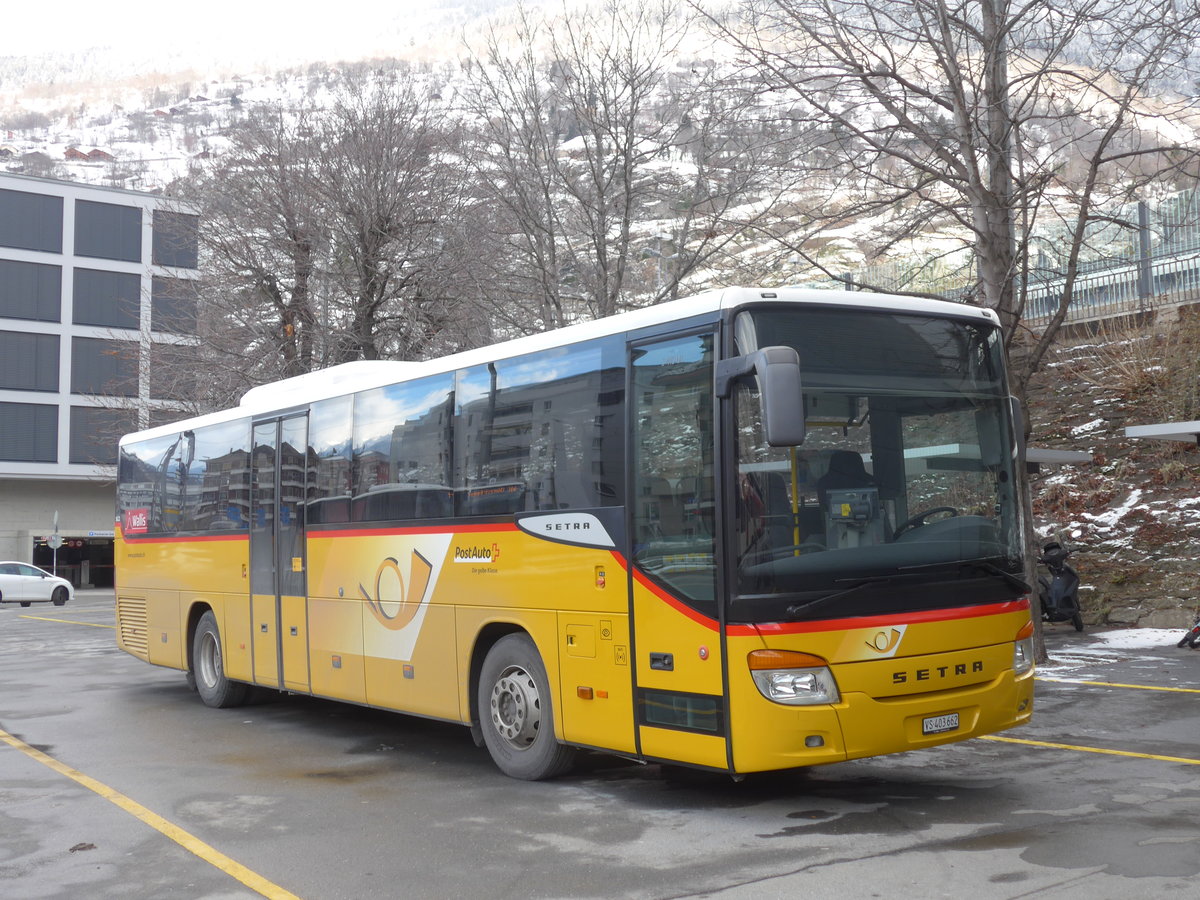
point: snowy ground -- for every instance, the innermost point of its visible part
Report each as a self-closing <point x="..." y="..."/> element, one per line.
<point x="1087" y="657"/>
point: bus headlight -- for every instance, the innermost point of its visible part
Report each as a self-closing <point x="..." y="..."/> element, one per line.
<point x="796" y="679"/>
<point x="1023" y="650"/>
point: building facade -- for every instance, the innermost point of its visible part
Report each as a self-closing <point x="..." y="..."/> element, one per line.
<point x="95" y="284"/>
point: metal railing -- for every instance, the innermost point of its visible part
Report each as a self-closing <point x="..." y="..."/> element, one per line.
<point x="1153" y="260"/>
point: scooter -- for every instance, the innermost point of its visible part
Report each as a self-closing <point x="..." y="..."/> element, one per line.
<point x="1060" y="592"/>
<point x="1192" y="638"/>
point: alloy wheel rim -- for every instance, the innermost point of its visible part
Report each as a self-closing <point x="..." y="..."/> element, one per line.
<point x="516" y="707"/>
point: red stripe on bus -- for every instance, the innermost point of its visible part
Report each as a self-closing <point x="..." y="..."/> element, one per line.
<point x="674" y="603"/>
<point x="906" y="618"/>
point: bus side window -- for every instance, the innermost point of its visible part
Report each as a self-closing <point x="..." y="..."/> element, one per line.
<point x="541" y="431"/>
<point x="401" y="467"/>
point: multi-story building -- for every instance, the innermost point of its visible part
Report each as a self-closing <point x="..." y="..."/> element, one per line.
<point x="95" y="283"/>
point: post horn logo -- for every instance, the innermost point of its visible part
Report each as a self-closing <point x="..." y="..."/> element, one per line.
<point x="886" y="642"/>
<point x="391" y="592"/>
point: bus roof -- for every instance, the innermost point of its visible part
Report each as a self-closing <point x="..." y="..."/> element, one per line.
<point x="365" y="374"/>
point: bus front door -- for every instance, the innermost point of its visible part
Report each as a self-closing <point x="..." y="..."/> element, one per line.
<point x="278" y="609"/>
<point x="679" y="666"/>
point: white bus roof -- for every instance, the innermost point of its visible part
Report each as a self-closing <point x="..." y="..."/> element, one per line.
<point x="363" y="375"/>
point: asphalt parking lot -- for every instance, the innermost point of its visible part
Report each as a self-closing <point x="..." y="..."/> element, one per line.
<point x="116" y="782"/>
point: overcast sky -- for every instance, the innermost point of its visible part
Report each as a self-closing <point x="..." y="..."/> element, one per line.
<point x="211" y="29"/>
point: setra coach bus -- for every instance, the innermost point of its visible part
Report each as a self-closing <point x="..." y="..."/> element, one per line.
<point x="747" y="531"/>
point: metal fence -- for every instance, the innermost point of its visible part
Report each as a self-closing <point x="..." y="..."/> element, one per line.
<point x="1126" y="287"/>
<point x="1145" y="256"/>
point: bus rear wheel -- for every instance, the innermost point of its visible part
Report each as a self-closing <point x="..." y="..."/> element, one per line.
<point x="208" y="667"/>
<point x="516" y="714"/>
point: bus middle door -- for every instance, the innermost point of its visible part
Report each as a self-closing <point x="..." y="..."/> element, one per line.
<point x="278" y="606"/>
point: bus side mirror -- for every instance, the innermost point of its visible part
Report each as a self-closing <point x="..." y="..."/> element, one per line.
<point x="777" y="371"/>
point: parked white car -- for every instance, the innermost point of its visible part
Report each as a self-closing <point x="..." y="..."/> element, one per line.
<point x="22" y="583"/>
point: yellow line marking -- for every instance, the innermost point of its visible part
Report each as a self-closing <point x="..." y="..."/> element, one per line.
<point x="1136" y="687"/>
<point x="66" y="621"/>
<point x="1054" y="746"/>
<point x="189" y="842"/>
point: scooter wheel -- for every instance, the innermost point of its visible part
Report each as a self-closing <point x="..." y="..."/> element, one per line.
<point x="1077" y="621"/>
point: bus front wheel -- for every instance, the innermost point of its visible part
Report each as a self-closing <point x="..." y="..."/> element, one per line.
<point x="516" y="714"/>
<point x="208" y="669"/>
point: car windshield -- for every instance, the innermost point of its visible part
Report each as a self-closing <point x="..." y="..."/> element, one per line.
<point x="902" y="495"/>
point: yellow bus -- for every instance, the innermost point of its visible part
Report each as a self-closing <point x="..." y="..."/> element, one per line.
<point x="747" y="531"/>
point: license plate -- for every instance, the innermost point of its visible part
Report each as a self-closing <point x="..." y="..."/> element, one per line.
<point x="939" y="724"/>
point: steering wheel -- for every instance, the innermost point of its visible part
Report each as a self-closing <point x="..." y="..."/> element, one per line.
<point x="919" y="519"/>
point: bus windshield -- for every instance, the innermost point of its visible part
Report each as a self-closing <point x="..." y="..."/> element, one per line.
<point x="902" y="496"/>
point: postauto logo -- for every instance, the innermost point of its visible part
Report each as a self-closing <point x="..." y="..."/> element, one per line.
<point x="477" y="554"/>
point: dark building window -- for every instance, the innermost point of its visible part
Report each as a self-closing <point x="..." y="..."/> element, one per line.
<point x="173" y="305"/>
<point x="28" y="362"/>
<point x="31" y="221"/>
<point x="106" y="298"/>
<point x="95" y="432"/>
<point x="165" y="415"/>
<point x="108" y="231"/>
<point x="30" y="290"/>
<point x="173" y="372"/>
<point x="101" y="366"/>
<point x="28" y="432"/>
<point x="175" y="239"/>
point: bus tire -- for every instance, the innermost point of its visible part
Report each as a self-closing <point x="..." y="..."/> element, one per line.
<point x="208" y="667"/>
<point x="59" y="597"/>
<point x="516" y="713"/>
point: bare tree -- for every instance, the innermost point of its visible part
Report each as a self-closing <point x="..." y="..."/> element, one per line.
<point x="993" y="124"/>
<point x="393" y="192"/>
<point x="329" y="235"/>
<point x="264" y="235"/>
<point x="614" y="169"/>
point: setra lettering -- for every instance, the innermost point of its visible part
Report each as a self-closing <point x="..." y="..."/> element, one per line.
<point x="934" y="673"/>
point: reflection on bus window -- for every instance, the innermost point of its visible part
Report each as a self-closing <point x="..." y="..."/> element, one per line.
<point x="540" y="432"/>
<point x="673" y="499"/>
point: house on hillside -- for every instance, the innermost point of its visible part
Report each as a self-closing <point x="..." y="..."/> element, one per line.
<point x="75" y="154"/>
<point x="98" y="155"/>
<point x="7" y="152"/>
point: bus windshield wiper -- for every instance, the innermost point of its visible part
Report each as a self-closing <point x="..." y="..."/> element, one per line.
<point x="983" y="564"/>
<point x="859" y="583"/>
<point x="993" y="569"/>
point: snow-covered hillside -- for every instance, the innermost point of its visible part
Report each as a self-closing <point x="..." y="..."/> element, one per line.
<point x="139" y="110"/>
